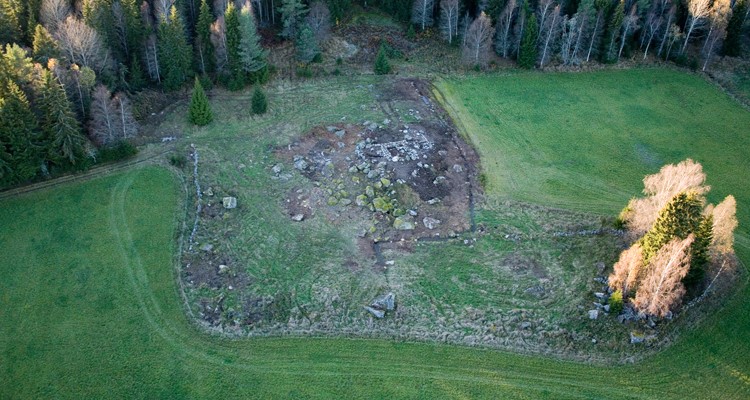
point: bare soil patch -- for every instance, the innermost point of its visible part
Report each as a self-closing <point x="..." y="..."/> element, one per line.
<point x="407" y="177"/>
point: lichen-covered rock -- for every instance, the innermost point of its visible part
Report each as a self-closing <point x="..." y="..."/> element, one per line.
<point x="369" y="191"/>
<point x="430" y="223"/>
<point x="382" y="204"/>
<point x="404" y="223"/>
<point x="229" y="202"/>
<point x="361" y="200"/>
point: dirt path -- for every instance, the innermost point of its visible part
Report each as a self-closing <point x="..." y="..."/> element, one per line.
<point x="146" y="155"/>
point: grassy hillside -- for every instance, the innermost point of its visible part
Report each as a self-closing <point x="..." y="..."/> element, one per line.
<point x="585" y="141"/>
<point x="89" y="305"/>
<point x="90" y="309"/>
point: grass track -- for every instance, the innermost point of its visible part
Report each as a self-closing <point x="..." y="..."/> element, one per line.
<point x="90" y="309"/>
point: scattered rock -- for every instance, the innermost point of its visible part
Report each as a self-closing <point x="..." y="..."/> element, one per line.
<point x="300" y="164"/>
<point x="525" y="325"/>
<point x="637" y="337"/>
<point x="276" y="169"/>
<point x="458" y="168"/>
<point x="432" y="202"/>
<point x="377" y="313"/>
<point x="413" y="213"/>
<point x="345" y="202"/>
<point x="430" y="223"/>
<point x="223" y="268"/>
<point x="404" y="223"/>
<point x="229" y="202"/>
<point x="385" y="302"/>
<point x="593" y="314"/>
<point x="606" y="308"/>
<point x="207" y="247"/>
<point x="600" y="296"/>
<point x="298" y="217"/>
<point x="361" y="200"/>
<point x="341" y="134"/>
<point x="439" y="180"/>
<point x="209" y="192"/>
<point x="600" y="266"/>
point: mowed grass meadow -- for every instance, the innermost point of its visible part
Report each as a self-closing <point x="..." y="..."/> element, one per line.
<point x="90" y="305"/>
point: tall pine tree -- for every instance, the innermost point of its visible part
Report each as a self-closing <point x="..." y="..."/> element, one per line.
<point x="733" y="42"/>
<point x="233" y="40"/>
<point x="609" y="53"/>
<point x="44" y="45"/>
<point x="19" y="138"/>
<point x="200" y="109"/>
<point x="174" y="52"/>
<point x="527" y="52"/>
<point x="252" y="55"/>
<point x="62" y="138"/>
<point x="204" y="48"/>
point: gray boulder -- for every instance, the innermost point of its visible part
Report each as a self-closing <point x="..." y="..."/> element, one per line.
<point x="229" y="202"/>
<point x="430" y="223"/>
<point x="377" y="313"/>
<point x="385" y="302"/>
<point x="593" y="314"/>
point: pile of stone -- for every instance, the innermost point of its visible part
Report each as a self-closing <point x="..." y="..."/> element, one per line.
<point x="381" y="305"/>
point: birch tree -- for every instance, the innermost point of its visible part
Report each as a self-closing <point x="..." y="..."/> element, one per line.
<point x="724" y="224"/>
<point x="449" y="10"/>
<point x="504" y="43"/>
<point x="698" y="12"/>
<point x="662" y="286"/>
<point x="421" y="13"/>
<point x="665" y="31"/>
<point x="102" y="128"/>
<point x="82" y="44"/>
<point x="651" y="28"/>
<point x="627" y="271"/>
<point x="718" y="19"/>
<point x="629" y="26"/>
<point x="54" y="13"/>
<point x="549" y="34"/>
<point x="599" y="8"/>
<point x="660" y="189"/>
<point x="319" y="20"/>
<point x="476" y="50"/>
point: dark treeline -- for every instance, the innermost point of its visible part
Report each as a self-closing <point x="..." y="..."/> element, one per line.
<point x="69" y="68"/>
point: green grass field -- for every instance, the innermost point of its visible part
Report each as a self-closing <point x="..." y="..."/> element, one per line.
<point x="91" y="308"/>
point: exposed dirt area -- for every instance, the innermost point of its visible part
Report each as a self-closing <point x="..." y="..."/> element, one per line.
<point x="407" y="177"/>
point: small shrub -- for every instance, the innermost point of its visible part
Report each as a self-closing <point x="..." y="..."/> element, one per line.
<point x="483" y="180"/>
<point x="382" y="66"/>
<point x="119" y="151"/>
<point x="304" y="72"/>
<point x="616" y="303"/>
<point x="259" y="101"/>
<point x="339" y="61"/>
<point x="200" y="110"/>
<point x="178" y="160"/>
<point x="410" y="34"/>
<point x="336" y="72"/>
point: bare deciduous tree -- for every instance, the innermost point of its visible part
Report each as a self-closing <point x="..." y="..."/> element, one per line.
<point x="111" y="117"/>
<point x="627" y="270"/>
<point x="504" y="44"/>
<point x="650" y="29"/>
<point x="102" y="128"/>
<point x="662" y="287"/>
<point x="717" y="31"/>
<point x="478" y="42"/>
<point x="596" y="31"/>
<point x="725" y="222"/>
<point x="659" y="189"/>
<point x="665" y="29"/>
<point x="698" y="11"/>
<point x="449" y="10"/>
<point x="629" y="26"/>
<point x="319" y="20"/>
<point x="82" y="44"/>
<point x="53" y="13"/>
<point x="162" y="8"/>
<point x="548" y="34"/>
<point x="421" y="13"/>
<point x="544" y="10"/>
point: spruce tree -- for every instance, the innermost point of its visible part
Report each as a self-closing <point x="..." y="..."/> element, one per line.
<point x="382" y="65"/>
<point x="233" y="40"/>
<point x="306" y="46"/>
<point x="292" y="13"/>
<point x="200" y="110"/>
<point x="527" y="52"/>
<point x="259" y="101"/>
<point x="18" y="138"/>
<point x="251" y="53"/>
<point x="62" y="138"/>
<point x="204" y="51"/>
<point x="681" y="217"/>
<point x="733" y="42"/>
<point x="613" y="33"/>
<point x="174" y="52"/>
<point x="44" y="45"/>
